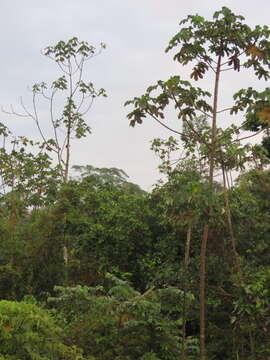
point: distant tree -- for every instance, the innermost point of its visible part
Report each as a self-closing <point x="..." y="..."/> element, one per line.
<point x="108" y="226"/>
<point x="114" y="177"/>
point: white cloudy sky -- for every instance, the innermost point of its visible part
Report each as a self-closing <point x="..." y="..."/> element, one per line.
<point x="136" y="34"/>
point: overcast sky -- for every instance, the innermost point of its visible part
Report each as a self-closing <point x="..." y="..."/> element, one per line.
<point x="136" y="34"/>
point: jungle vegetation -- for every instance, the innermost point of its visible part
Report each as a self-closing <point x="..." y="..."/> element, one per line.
<point x="92" y="267"/>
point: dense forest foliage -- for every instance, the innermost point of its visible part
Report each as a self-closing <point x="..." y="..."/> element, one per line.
<point x="94" y="268"/>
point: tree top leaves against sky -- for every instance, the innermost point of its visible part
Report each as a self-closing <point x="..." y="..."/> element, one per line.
<point x="225" y="36"/>
<point x="202" y="42"/>
<point x="63" y="51"/>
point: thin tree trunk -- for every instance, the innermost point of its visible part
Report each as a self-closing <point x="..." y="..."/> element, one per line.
<point x="66" y="173"/>
<point x="186" y="261"/>
<point x="202" y="290"/>
<point x="67" y="157"/>
<point x="187" y="248"/>
<point x="67" y="163"/>
<point x="230" y="227"/>
<point x="206" y="226"/>
<point x="66" y="170"/>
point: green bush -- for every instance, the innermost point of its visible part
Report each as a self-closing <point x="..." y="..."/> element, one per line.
<point x="30" y="333"/>
<point x="117" y="322"/>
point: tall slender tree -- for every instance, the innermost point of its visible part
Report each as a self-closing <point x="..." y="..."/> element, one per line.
<point x="217" y="46"/>
<point x="70" y="89"/>
<point x="75" y="93"/>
